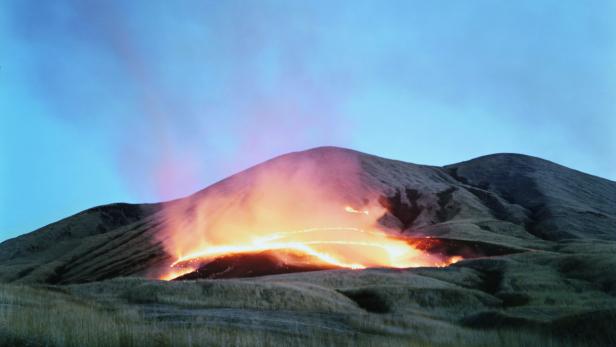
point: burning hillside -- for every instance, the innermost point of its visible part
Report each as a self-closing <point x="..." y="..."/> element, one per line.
<point x="545" y="234"/>
<point x="294" y="214"/>
<point x="325" y="208"/>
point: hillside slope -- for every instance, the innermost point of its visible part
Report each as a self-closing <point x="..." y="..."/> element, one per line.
<point x="497" y="204"/>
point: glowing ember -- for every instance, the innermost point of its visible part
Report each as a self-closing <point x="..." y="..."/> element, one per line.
<point x="176" y="272"/>
<point x="454" y="259"/>
<point x="349" y="209"/>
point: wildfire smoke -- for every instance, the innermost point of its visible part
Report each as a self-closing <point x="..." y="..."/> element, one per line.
<point x="314" y="207"/>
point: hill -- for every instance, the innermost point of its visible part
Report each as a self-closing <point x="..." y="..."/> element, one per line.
<point x="537" y="241"/>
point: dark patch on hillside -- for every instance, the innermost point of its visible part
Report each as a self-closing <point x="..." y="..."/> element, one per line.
<point x="368" y="300"/>
<point x="403" y="206"/>
<point x="448" y="208"/>
<point x="466" y="249"/>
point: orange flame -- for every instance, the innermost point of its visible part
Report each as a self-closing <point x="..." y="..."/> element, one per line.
<point x="176" y="272"/>
<point x="377" y="248"/>
<point x="290" y="205"/>
<point x="324" y="245"/>
<point x="350" y="209"/>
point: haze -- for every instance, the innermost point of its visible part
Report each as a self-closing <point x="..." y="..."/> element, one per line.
<point x="107" y="101"/>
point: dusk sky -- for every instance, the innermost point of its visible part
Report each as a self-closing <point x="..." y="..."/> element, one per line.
<point x="143" y="101"/>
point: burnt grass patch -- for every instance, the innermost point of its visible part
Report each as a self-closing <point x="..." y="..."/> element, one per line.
<point x="248" y="265"/>
<point x="466" y="249"/>
<point x="447" y="206"/>
<point x="404" y="207"/>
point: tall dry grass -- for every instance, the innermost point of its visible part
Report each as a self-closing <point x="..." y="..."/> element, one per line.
<point x="54" y="316"/>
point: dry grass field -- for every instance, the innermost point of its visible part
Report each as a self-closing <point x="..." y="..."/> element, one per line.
<point x="420" y="307"/>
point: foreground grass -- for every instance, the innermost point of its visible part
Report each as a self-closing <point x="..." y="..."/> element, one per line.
<point x="55" y="316"/>
<point x="41" y="316"/>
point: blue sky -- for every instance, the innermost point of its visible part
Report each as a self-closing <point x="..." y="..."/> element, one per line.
<point x="141" y="101"/>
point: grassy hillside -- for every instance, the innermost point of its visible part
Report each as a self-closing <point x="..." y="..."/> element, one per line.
<point x="543" y="299"/>
<point x="504" y="201"/>
<point x="538" y="238"/>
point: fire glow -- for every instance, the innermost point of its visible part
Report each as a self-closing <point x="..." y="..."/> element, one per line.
<point x="294" y="215"/>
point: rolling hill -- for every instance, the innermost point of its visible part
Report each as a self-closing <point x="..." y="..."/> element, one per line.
<point x="538" y="241"/>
